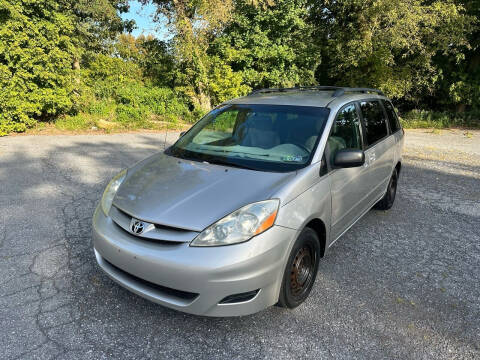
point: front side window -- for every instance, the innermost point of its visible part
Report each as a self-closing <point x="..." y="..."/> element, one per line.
<point x="345" y="132"/>
<point x="374" y="121"/>
<point x="392" y="116"/>
<point x="260" y="137"/>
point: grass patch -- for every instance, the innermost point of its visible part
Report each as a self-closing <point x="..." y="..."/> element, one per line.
<point x="126" y="120"/>
<point x="423" y="119"/>
<point x="76" y="123"/>
<point x="131" y="106"/>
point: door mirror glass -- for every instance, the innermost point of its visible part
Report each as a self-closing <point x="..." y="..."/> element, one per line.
<point x="347" y="158"/>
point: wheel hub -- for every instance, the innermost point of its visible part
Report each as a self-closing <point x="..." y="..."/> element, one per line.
<point x="302" y="270"/>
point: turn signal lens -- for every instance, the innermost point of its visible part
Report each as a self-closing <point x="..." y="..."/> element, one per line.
<point x="267" y="224"/>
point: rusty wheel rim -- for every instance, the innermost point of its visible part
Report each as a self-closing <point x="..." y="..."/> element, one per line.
<point x="301" y="273"/>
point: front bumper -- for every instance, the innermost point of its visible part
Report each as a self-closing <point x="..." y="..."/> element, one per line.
<point x="194" y="279"/>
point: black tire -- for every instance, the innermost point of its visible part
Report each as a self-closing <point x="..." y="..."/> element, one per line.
<point x="301" y="270"/>
<point x="389" y="198"/>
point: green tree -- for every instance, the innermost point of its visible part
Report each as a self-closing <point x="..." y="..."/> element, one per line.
<point x="193" y="24"/>
<point x="36" y="51"/>
<point x="224" y="83"/>
<point x="388" y="44"/>
<point x="97" y="22"/>
<point x="460" y="85"/>
<point x="154" y="56"/>
<point x="271" y="46"/>
<point x="96" y="26"/>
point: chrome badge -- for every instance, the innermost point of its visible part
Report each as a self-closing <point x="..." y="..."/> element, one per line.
<point x="139" y="227"/>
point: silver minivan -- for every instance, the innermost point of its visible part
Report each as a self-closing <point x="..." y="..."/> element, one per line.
<point x="236" y="215"/>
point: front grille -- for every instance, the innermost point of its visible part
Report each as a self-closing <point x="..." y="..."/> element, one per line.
<point x="158" y="226"/>
<point x="160" y="233"/>
<point x="184" y="295"/>
<point x="163" y="242"/>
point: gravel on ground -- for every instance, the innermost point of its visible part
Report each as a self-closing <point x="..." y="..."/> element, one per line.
<point x="401" y="284"/>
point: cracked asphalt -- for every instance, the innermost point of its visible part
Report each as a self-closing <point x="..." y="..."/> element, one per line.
<point x="401" y="284"/>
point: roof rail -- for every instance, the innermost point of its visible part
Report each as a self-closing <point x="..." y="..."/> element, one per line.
<point x="338" y="90"/>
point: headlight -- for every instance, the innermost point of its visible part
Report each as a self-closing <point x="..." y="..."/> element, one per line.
<point x="240" y="225"/>
<point x="111" y="190"/>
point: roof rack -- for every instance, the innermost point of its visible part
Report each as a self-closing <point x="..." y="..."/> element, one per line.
<point x="338" y="90"/>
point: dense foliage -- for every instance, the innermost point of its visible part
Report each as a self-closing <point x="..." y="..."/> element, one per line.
<point x="387" y="44"/>
<point x="76" y="64"/>
<point x="460" y="83"/>
<point x="36" y="50"/>
<point x="272" y="46"/>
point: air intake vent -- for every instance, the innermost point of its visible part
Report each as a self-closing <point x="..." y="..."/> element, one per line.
<point x="180" y="294"/>
<point x="238" y="298"/>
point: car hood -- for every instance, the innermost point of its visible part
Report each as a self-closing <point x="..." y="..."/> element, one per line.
<point x="191" y="195"/>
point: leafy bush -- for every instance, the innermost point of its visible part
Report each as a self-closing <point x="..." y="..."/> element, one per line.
<point x="76" y="122"/>
<point x="102" y="107"/>
<point x="160" y="101"/>
<point x="440" y="120"/>
<point x="36" y="52"/>
<point x="131" y="116"/>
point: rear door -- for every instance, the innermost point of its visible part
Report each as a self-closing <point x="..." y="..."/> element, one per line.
<point x="395" y="130"/>
<point x="379" y="147"/>
<point x="349" y="186"/>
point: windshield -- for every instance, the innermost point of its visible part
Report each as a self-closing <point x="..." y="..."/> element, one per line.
<point x="259" y="137"/>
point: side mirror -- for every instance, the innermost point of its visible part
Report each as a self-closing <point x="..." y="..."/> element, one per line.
<point x="182" y="133"/>
<point x="347" y="158"/>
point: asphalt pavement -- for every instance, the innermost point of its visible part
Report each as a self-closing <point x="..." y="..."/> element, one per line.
<point x="402" y="284"/>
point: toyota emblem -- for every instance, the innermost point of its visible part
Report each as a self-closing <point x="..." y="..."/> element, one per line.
<point x="137" y="226"/>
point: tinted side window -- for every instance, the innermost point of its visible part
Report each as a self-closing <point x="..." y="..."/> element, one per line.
<point x="374" y="120"/>
<point x="345" y="131"/>
<point x="392" y="116"/>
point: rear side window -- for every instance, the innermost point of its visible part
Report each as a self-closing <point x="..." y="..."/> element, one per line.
<point x="392" y="116"/>
<point x="374" y="121"/>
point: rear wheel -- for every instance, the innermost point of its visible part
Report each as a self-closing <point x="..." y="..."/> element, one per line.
<point x="301" y="270"/>
<point x="389" y="198"/>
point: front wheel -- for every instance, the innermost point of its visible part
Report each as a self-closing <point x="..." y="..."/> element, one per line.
<point x="389" y="198"/>
<point x="301" y="270"/>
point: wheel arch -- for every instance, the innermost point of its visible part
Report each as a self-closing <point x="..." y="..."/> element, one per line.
<point x="398" y="167"/>
<point x="319" y="227"/>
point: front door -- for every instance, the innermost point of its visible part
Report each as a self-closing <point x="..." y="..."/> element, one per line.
<point x="349" y="186"/>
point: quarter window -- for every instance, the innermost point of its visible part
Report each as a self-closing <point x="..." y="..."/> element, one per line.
<point x="345" y="131"/>
<point x="374" y="121"/>
<point x="392" y="116"/>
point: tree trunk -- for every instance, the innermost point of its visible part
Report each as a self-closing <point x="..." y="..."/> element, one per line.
<point x="76" y="75"/>
<point x="76" y="64"/>
<point x="204" y="101"/>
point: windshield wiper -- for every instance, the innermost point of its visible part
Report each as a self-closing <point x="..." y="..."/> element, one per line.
<point x="237" y="152"/>
<point x="218" y="161"/>
<point x="228" y="163"/>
